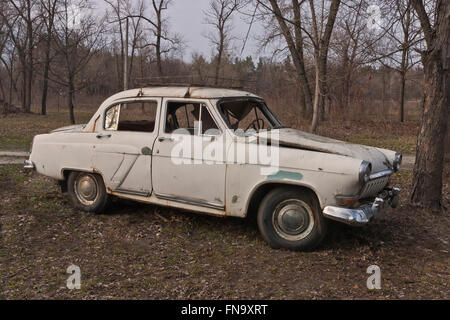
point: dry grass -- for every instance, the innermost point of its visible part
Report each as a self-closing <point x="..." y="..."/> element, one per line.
<point x="139" y="251"/>
<point x="17" y="130"/>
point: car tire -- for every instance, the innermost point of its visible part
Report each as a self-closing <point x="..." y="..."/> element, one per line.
<point x="87" y="191"/>
<point x="291" y="218"/>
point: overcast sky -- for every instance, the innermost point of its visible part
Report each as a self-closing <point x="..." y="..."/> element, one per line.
<point x="187" y="17"/>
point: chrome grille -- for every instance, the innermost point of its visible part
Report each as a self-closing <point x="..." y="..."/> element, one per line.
<point x="373" y="187"/>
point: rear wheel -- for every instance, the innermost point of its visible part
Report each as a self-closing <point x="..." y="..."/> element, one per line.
<point x="290" y="218"/>
<point x="87" y="191"/>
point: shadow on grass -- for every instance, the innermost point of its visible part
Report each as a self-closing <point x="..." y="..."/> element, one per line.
<point x="379" y="233"/>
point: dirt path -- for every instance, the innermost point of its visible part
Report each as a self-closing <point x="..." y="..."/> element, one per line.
<point x="13" y="157"/>
<point x="408" y="162"/>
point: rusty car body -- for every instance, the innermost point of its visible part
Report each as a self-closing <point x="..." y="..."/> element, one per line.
<point x="126" y="150"/>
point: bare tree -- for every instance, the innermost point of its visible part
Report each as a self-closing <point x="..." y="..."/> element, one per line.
<point x="161" y="40"/>
<point x="8" y="57"/>
<point x="3" y="43"/>
<point x="402" y="36"/>
<point x="319" y="34"/>
<point x="117" y="13"/>
<point x="219" y="15"/>
<point x="158" y="31"/>
<point x="76" y="46"/>
<point x="287" y="23"/>
<point x="23" y="23"/>
<point x="125" y="13"/>
<point x="48" y="9"/>
<point x="428" y="169"/>
<point x="350" y="47"/>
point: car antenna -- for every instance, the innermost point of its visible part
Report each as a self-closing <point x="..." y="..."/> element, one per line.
<point x="140" y="93"/>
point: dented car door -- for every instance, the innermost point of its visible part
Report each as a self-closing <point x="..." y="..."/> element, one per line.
<point x="124" y="145"/>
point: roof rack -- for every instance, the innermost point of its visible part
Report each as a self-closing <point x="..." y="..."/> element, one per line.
<point x="187" y="84"/>
<point x="189" y="81"/>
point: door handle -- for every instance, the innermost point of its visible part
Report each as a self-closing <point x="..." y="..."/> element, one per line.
<point x="103" y="135"/>
<point x="162" y="139"/>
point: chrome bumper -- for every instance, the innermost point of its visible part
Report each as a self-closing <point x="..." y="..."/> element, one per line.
<point x="27" y="164"/>
<point x="362" y="215"/>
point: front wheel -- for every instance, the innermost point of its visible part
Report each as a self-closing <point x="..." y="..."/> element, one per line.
<point x="87" y="191"/>
<point x="290" y="218"/>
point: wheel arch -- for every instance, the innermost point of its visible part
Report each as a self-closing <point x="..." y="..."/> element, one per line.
<point x="262" y="189"/>
<point x="65" y="172"/>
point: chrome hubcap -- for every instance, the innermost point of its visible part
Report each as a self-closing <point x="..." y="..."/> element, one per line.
<point x="86" y="189"/>
<point x="293" y="219"/>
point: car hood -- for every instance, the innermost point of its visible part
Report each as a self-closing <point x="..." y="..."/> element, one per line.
<point x="292" y="138"/>
<point x="74" y="128"/>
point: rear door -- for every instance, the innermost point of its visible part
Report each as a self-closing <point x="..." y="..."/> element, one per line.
<point x="124" y="145"/>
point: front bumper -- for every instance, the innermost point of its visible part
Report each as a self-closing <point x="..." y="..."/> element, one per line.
<point x="362" y="215"/>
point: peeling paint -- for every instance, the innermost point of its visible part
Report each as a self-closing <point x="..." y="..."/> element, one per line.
<point x="146" y="151"/>
<point x="234" y="199"/>
<point x="285" y="175"/>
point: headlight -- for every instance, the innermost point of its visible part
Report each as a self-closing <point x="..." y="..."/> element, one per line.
<point x="364" y="172"/>
<point x="398" y="161"/>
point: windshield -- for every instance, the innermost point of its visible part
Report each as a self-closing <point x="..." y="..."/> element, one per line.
<point x="248" y="114"/>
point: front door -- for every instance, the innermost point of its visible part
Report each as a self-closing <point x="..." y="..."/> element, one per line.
<point x="124" y="146"/>
<point x="184" y="168"/>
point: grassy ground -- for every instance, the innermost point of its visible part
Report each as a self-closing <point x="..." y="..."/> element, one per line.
<point x="17" y="130"/>
<point x="141" y="251"/>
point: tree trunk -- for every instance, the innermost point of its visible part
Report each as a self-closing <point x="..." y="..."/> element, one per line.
<point x="302" y="80"/>
<point x="30" y="59"/>
<point x="45" y="84"/>
<point x="158" y="56"/>
<point x="51" y="18"/>
<point x="24" y="88"/>
<point x="296" y="52"/>
<point x="315" y="119"/>
<point x="320" y="58"/>
<point x="302" y="102"/>
<point x="70" y="101"/>
<point x="219" y="61"/>
<point x="427" y="184"/>
<point x="383" y="91"/>
<point x="2" y="90"/>
<point x="158" y="43"/>
<point x="428" y="169"/>
<point x="402" y="96"/>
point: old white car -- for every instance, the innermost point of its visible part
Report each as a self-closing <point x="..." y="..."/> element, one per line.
<point x="220" y="152"/>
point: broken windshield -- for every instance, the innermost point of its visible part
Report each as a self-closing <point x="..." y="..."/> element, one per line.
<point x="247" y="114"/>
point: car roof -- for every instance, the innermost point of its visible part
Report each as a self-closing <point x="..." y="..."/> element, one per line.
<point x="169" y="92"/>
<point x="183" y="92"/>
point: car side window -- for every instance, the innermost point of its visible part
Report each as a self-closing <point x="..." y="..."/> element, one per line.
<point x="112" y="118"/>
<point x="136" y="116"/>
<point x="190" y="117"/>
